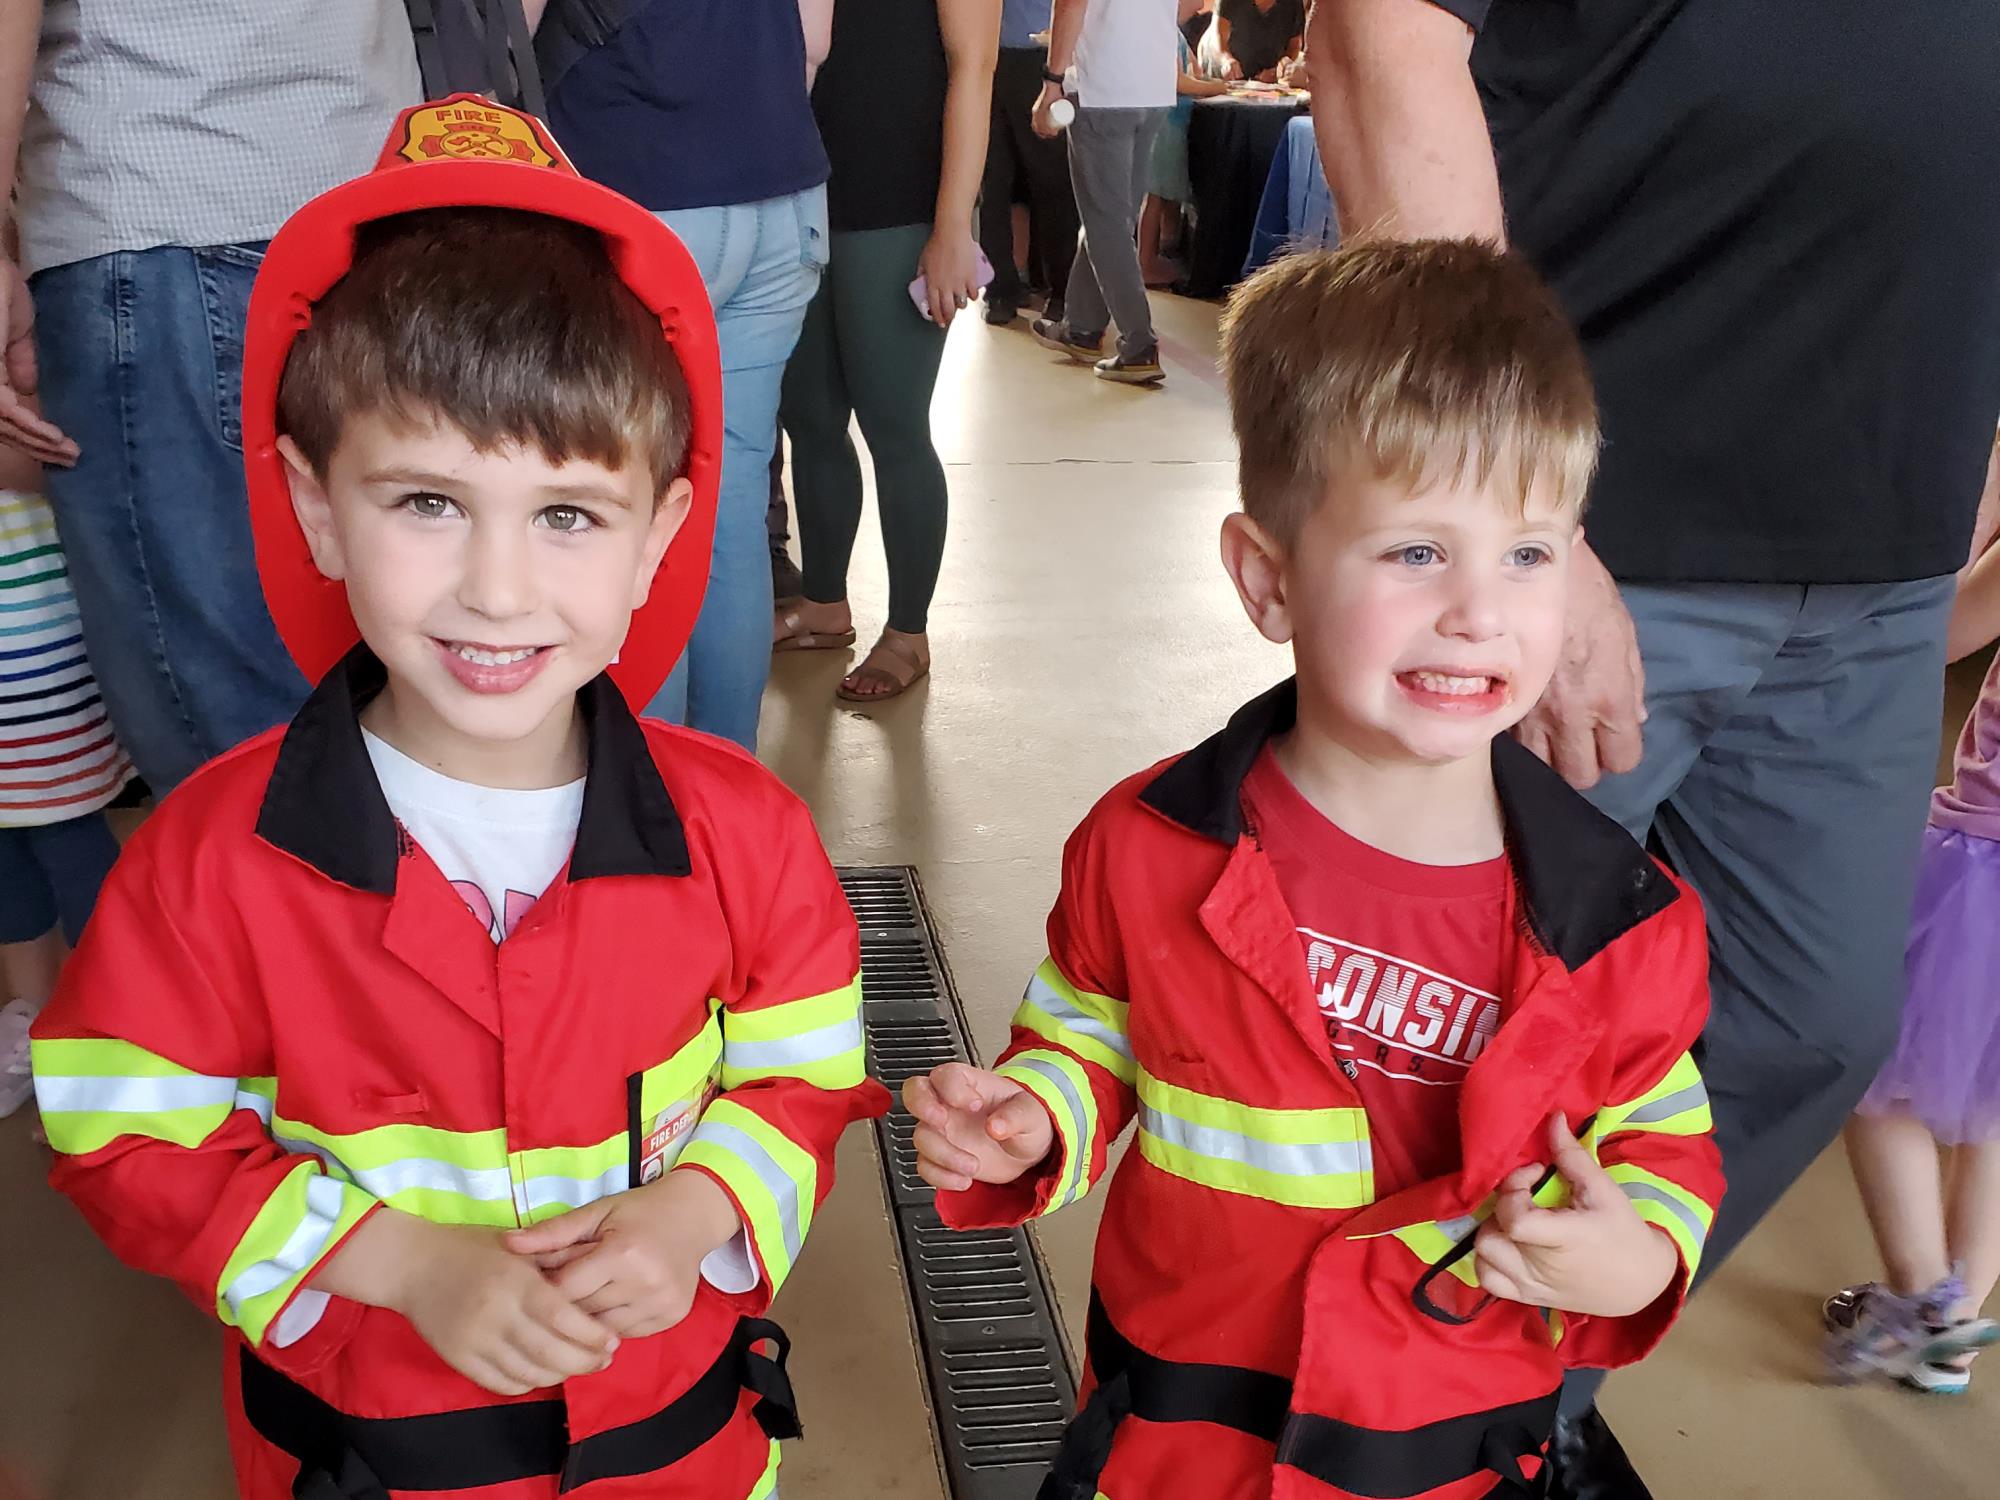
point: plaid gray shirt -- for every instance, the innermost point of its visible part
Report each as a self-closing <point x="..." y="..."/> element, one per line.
<point x="201" y="122"/>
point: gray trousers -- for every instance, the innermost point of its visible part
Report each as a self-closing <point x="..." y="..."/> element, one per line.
<point x="1110" y="163"/>
<point x="1790" y="753"/>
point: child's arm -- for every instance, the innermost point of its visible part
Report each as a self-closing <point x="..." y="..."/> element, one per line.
<point x="155" y="1083"/>
<point x="794" y="1071"/>
<point x="1975" y="614"/>
<point x="1190" y="84"/>
<point x="1070" y="1050"/>
<point x="1652" y="1145"/>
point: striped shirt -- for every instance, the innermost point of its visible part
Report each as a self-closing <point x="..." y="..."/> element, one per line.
<point x="58" y="757"/>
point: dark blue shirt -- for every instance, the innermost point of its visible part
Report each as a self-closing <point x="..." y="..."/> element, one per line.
<point x="1020" y="20"/>
<point x="695" y="103"/>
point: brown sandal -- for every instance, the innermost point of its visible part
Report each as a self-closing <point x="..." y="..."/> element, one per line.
<point x="895" y="646"/>
<point x="796" y="639"/>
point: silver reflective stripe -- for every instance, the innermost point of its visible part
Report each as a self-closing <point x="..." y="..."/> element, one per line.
<point x="486" y="1184"/>
<point x="1457" y="1229"/>
<point x="1681" y="1211"/>
<point x="793" y="1051"/>
<point x="1308" y="1159"/>
<point x="1079" y="1131"/>
<point x="1042" y="994"/>
<point x="132" y="1096"/>
<point x="1678" y="1103"/>
<point x="325" y="1197"/>
<point x="257" y="1104"/>
<point x="784" y="1192"/>
<point x="576" y="1192"/>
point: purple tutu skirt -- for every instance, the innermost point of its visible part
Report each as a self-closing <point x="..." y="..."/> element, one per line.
<point x="1945" y="1070"/>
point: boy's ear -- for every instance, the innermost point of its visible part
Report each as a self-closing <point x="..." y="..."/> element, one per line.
<point x="669" y="515"/>
<point x="314" y="510"/>
<point x="1256" y="565"/>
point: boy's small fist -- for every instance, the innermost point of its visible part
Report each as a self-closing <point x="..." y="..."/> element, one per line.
<point x="975" y="1126"/>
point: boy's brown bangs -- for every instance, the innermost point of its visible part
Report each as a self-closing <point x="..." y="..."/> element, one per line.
<point x="511" y="327"/>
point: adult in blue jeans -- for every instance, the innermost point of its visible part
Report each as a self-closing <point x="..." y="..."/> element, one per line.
<point x="153" y="151"/>
<point x="699" y="110"/>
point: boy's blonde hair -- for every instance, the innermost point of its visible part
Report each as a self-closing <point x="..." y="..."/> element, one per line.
<point x="1416" y="363"/>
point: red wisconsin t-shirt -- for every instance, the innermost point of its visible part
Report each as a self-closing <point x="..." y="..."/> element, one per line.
<point x="1404" y="960"/>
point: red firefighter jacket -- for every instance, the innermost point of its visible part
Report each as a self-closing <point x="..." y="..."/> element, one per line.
<point x="1260" y="1324"/>
<point x="283" y="1018"/>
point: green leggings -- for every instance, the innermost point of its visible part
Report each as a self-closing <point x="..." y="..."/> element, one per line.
<point x="866" y="353"/>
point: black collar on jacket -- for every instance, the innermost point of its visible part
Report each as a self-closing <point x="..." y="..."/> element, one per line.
<point x="324" y="805"/>
<point x="1584" y="882"/>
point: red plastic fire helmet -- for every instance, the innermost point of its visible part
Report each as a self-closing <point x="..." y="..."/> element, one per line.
<point x="467" y="151"/>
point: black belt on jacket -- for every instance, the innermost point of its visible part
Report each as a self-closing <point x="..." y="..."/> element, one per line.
<point x="363" y="1458"/>
<point x="1361" y="1460"/>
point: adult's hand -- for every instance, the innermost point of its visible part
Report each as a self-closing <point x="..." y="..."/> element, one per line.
<point x="950" y="267"/>
<point x="1043" y="122"/>
<point x="1588" y="722"/>
<point x="21" y="421"/>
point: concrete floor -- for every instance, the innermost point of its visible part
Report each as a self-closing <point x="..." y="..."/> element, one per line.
<point x="1084" y="629"/>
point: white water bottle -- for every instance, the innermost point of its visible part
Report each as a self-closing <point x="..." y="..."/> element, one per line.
<point x="1061" y="113"/>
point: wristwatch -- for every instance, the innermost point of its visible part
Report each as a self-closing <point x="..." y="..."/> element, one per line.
<point x="1049" y="75"/>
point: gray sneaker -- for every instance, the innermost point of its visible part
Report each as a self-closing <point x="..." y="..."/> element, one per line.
<point x="1145" y="370"/>
<point x="1053" y="333"/>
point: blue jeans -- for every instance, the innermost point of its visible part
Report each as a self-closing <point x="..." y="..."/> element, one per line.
<point x="51" y="874"/>
<point x="762" y="263"/>
<point x="142" y="364"/>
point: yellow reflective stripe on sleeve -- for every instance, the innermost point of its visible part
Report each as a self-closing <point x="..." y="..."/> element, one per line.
<point x="1094" y="1027"/>
<point x="773" y="1179"/>
<point x="93" y="1090"/>
<point x="1304" y="1158"/>
<point x="1432" y="1241"/>
<point x="1064" y="1089"/>
<point x="552" y="1180"/>
<point x="766" y="1487"/>
<point x="306" y="1216"/>
<point x="1668" y="1206"/>
<point x="1676" y="1105"/>
<point x="682" y="1078"/>
<point x="446" y="1176"/>
<point x="817" y="1039"/>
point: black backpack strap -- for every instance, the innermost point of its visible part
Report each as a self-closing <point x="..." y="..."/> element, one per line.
<point x="430" y="47"/>
<point x="508" y="33"/>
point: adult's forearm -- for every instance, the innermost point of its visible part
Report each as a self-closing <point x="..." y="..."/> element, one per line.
<point x="816" y="18"/>
<point x="1065" y="26"/>
<point x="20" y="31"/>
<point x="968" y="112"/>
<point x="1401" y="131"/>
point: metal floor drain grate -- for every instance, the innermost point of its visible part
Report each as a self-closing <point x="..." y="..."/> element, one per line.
<point x="1000" y="1383"/>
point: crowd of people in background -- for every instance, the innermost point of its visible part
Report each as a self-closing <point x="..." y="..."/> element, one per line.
<point x="1797" y="361"/>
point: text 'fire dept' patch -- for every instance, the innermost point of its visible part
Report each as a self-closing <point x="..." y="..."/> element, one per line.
<point x="468" y="130"/>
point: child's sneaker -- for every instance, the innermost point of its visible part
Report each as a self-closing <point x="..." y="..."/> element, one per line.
<point x="1871" y="1330"/>
<point x="17" y="1080"/>
<point x="1953" y="1335"/>
<point x="1939" y="1380"/>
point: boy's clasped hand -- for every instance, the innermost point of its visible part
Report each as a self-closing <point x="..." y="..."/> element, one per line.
<point x="524" y="1309"/>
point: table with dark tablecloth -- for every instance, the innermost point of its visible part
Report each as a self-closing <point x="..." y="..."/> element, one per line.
<point x="1231" y="144"/>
